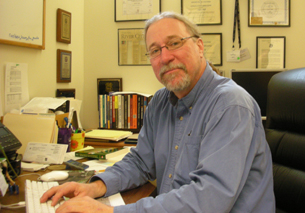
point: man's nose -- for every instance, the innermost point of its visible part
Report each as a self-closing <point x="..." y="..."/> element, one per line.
<point x="166" y="55"/>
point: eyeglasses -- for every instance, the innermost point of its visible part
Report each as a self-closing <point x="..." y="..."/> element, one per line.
<point x="172" y="44"/>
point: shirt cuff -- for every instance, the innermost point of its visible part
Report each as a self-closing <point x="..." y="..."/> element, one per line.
<point x="111" y="181"/>
<point x="130" y="208"/>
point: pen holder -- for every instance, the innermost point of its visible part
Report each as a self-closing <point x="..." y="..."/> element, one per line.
<point x="64" y="137"/>
<point x="77" y="141"/>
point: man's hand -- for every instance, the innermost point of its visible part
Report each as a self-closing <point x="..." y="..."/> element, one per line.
<point x="85" y="205"/>
<point x="73" y="189"/>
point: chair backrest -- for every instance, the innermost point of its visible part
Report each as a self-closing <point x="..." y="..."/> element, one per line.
<point x="285" y="133"/>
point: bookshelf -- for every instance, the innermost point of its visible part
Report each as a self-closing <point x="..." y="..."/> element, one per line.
<point x="122" y="110"/>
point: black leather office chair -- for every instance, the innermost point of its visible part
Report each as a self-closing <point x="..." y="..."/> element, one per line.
<point x="285" y="132"/>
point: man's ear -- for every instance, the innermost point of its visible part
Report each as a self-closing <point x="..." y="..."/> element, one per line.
<point x="200" y="46"/>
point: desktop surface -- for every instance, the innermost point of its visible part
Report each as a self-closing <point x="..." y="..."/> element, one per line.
<point x="130" y="196"/>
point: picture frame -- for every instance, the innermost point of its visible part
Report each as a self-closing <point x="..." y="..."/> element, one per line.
<point x="28" y="32"/>
<point x="68" y="93"/>
<point x="203" y="14"/>
<point x="131" y="47"/>
<point x="63" y="26"/>
<point x="135" y="10"/>
<point x="265" y="13"/>
<point x="213" y="47"/>
<point x="108" y="85"/>
<point x="270" y="52"/>
<point x="64" y="63"/>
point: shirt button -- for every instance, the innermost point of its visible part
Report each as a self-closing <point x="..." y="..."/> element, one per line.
<point x="190" y="107"/>
<point x="181" y="118"/>
<point x="176" y="147"/>
<point x="170" y="175"/>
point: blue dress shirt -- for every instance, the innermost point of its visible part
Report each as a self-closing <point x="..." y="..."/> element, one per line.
<point x="207" y="151"/>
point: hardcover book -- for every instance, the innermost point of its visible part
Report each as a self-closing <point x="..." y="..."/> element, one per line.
<point x="97" y="153"/>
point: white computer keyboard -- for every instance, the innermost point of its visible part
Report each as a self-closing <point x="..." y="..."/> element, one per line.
<point x="33" y="192"/>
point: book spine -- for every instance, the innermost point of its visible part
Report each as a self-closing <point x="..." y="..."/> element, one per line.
<point x="145" y="103"/>
<point x="108" y="112"/>
<point x="125" y="111"/>
<point x="122" y="113"/>
<point x="104" y="110"/>
<point x="139" y="112"/>
<point x="119" y="111"/>
<point x="100" y="110"/>
<point x="128" y="111"/>
<point x="116" y="112"/>
<point x="135" y="111"/>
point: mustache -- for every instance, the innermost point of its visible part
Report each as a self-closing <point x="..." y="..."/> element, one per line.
<point x="168" y="67"/>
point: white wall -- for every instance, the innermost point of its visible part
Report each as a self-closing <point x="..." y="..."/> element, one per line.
<point x="42" y="63"/>
<point x="95" y="50"/>
<point x="101" y="48"/>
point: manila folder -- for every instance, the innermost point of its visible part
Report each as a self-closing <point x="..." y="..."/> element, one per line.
<point x="31" y="128"/>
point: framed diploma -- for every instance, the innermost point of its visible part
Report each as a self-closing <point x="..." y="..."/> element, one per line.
<point x="203" y="12"/>
<point x="270" y="52"/>
<point x="266" y="13"/>
<point x="64" y="66"/>
<point x="213" y="47"/>
<point x="63" y="26"/>
<point x="140" y="10"/>
<point x="132" y="48"/>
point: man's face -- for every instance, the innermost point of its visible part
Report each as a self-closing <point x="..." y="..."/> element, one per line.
<point x="178" y="70"/>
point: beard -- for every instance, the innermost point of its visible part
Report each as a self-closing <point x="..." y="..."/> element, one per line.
<point x="171" y="81"/>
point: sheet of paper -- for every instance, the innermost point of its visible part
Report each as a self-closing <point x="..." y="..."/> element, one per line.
<point x="3" y="184"/>
<point x="71" y="155"/>
<point x="33" y="166"/>
<point x="16" y="86"/>
<point x="45" y="153"/>
<point x="113" y="200"/>
<point x="42" y="104"/>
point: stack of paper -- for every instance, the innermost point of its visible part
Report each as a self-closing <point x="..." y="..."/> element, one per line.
<point x="113" y="135"/>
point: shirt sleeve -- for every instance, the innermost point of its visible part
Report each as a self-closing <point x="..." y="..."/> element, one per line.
<point x="227" y="152"/>
<point x="135" y="169"/>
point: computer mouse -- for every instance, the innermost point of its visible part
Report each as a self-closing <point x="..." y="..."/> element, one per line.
<point x="54" y="176"/>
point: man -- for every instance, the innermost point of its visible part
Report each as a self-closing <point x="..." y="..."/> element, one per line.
<point x="202" y="138"/>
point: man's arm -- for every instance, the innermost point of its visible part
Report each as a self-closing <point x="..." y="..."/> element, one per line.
<point x="226" y="154"/>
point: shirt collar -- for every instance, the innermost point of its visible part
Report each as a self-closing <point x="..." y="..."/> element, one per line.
<point x="190" y="99"/>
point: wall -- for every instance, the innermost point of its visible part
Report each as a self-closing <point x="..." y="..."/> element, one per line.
<point x="42" y="63"/>
<point x="95" y="51"/>
<point x="101" y="49"/>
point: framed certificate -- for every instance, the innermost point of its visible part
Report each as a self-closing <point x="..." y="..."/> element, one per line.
<point x="203" y="12"/>
<point x="64" y="63"/>
<point x="140" y="10"/>
<point x="132" y="47"/>
<point x="266" y="13"/>
<point x="270" y="52"/>
<point x="63" y="28"/>
<point x="213" y="47"/>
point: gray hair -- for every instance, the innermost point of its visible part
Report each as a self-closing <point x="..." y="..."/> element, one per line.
<point x="190" y="26"/>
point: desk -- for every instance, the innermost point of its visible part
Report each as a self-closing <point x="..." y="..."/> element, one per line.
<point x="130" y="196"/>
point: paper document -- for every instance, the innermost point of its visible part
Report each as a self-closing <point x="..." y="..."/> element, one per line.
<point x="16" y="86"/>
<point x="3" y="184"/>
<point x="113" y="200"/>
<point x="32" y="167"/>
<point x="112" y="158"/>
<point x="113" y="135"/>
<point x="45" y="153"/>
<point x="42" y="105"/>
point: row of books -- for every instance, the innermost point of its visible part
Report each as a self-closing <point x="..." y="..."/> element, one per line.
<point x="122" y="110"/>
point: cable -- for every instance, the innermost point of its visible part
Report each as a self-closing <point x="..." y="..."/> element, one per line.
<point x="21" y="204"/>
<point x="3" y="152"/>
